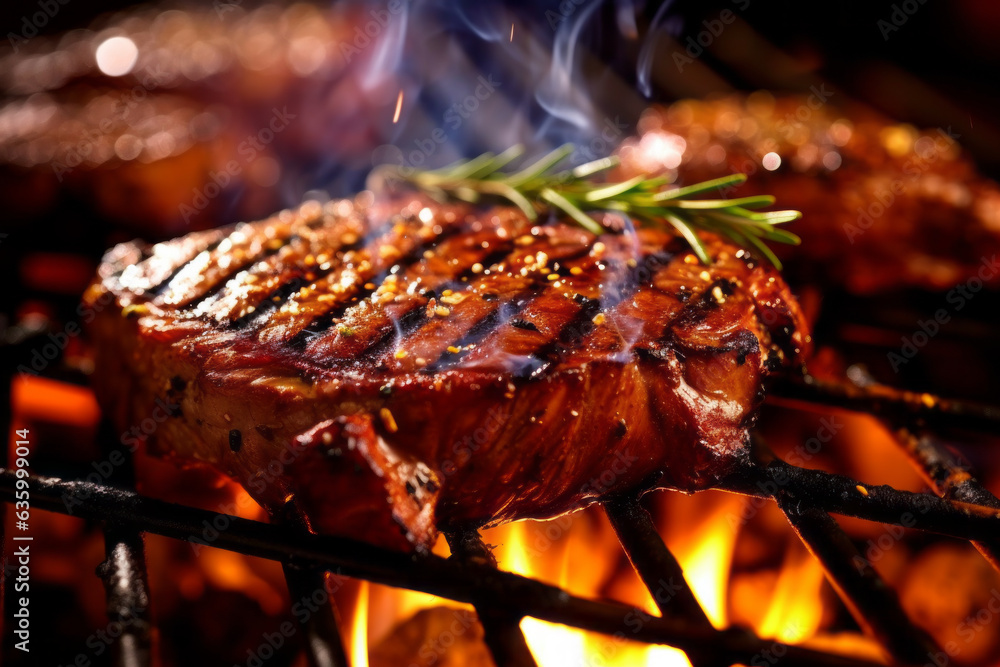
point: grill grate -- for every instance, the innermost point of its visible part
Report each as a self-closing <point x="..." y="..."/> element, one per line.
<point x="502" y="599"/>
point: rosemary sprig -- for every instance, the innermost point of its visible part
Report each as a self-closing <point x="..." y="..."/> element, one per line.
<point x="538" y="187"/>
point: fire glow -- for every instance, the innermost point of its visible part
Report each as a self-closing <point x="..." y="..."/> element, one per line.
<point x="580" y="554"/>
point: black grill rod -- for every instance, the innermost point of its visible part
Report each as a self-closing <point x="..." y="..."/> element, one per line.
<point x="502" y="631"/>
<point x="429" y="574"/>
<point x="869" y="599"/>
<point x="943" y="472"/>
<point x="123" y="570"/>
<point x="949" y="479"/>
<point x="880" y="400"/>
<point x="324" y="645"/>
<point x="838" y="494"/>
<point x="657" y="567"/>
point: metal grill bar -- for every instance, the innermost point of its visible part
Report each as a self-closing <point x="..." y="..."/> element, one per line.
<point x="884" y="401"/>
<point x="323" y="644"/>
<point x="842" y="495"/>
<point x="935" y="463"/>
<point x="123" y="571"/>
<point x="658" y="569"/>
<point x="653" y="561"/>
<point x="124" y="575"/>
<point x="502" y="631"/>
<point x="949" y="480"/>
<point x="870" y="600"/>
<point x="462" y="582"/>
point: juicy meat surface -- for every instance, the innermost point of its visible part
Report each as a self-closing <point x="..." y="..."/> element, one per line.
<point x="388" y="370"/>
<point x="884" y="205"/>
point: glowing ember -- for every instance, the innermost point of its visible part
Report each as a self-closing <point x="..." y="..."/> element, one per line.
<point x="399" y="107"/>
<point x="512" y="32"/>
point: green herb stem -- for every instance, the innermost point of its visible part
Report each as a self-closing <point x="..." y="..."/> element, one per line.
<point x="537" y="188"/>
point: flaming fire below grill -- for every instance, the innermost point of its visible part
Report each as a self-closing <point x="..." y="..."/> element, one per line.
<point x="744" y="565"/>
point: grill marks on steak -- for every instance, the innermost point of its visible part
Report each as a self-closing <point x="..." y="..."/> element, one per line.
<point x="275" y="277"/>
<point x="392" y="243"/>
<point x="468" y="367"/>
<point x="406" y="299"/>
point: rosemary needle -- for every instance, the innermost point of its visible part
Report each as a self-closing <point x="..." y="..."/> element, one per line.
<point x="538" y="187"/>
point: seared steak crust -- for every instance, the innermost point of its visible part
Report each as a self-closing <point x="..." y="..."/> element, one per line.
<point x="393" y="369"/>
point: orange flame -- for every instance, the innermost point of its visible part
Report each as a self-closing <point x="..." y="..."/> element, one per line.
<point x="796" y="608"/>
<point x="699" y="531"/>
<point x="551" y="644"/>
<point x="705" y="552"/>
<point x="580" y="554"/>
<point x="359" y="628"/>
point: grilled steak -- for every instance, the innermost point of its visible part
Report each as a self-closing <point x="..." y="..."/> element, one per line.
<point x="389" y="370"/>
<point x="885" y="206"/>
